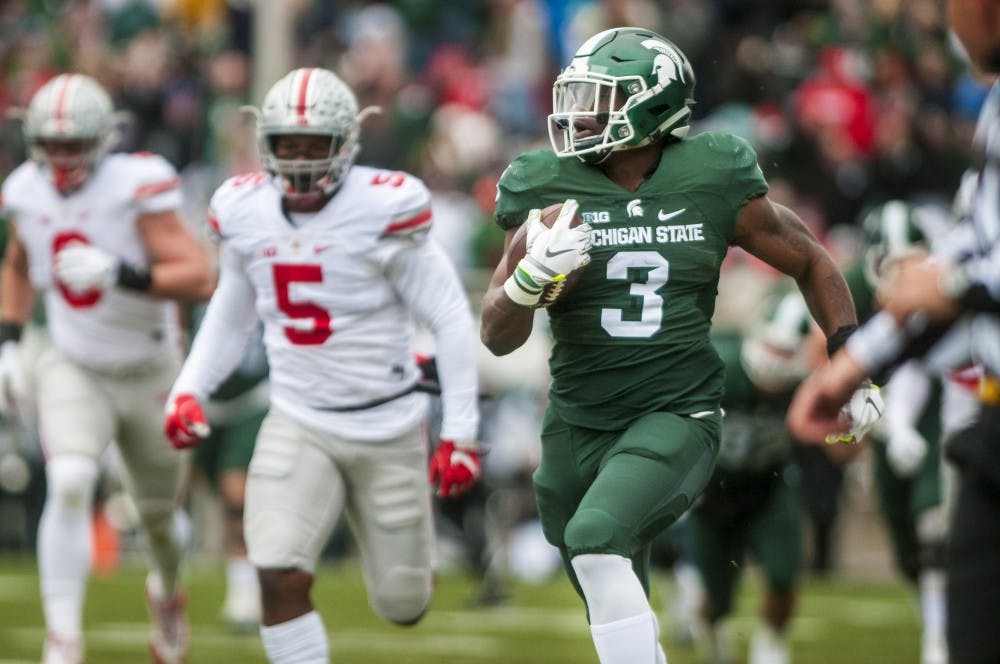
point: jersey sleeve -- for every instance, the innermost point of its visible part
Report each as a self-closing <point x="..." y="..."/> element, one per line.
<point x="224" y="332"/>
<point x="405" y="220"/>
<point x="737" y="171"/>
<point x="518" y="188"/>
<point x="426" y="280"/>
<point x="156" y="186"/>
<point x="14" y="192"/>
<point x="410" y="215"/>
<point x="225" y="202"/>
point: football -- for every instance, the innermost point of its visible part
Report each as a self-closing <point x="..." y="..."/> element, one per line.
<point x="518" y="246"/>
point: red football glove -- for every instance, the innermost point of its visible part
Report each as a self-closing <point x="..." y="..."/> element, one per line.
<point x="453" y="469"/>
<point x="185" y="424"/>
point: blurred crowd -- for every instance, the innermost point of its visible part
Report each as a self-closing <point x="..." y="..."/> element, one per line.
<point x="848" y="102"/>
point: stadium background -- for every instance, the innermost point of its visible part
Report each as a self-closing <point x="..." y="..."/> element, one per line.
<point x="848" y="102"/>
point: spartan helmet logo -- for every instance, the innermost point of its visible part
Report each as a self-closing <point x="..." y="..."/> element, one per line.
<point x="669" y="65"/>
<point x="634" y="208"/>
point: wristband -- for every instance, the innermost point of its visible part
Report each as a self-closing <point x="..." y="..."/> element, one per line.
<point x="10" y="331"/>
<point x="134" y="278"/>
<point x="519" y="293"/>
<point x="839" y="338"/>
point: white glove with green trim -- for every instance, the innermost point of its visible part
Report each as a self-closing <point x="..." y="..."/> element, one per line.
<point x="863" y="410"/>
<point x="551" y="254"/>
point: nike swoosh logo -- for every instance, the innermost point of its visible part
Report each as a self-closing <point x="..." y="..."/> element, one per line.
<point x="550" y="254"/>
<point x="871" y="402"/>
<point x="322" y="247"/>
<point x="669" y="215"/>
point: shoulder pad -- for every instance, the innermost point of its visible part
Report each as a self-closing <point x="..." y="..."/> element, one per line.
<point x="151" y="174"/>
<point x="17" y="187"/>
<point x="229" y="194"/>
<point x="517" y="190"/>
<point x="730" y="150"/>
<point x="407" y="203"/>
<point x="530" y="170"/>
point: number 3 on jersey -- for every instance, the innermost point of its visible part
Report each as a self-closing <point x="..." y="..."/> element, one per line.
<point x="284" y="276"/>
<point x="657" y="270"/>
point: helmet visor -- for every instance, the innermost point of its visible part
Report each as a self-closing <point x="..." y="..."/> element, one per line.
<point x="588" y="115"/>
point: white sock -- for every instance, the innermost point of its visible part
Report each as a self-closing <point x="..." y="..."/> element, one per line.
<point x="932" y="601"/>
<point x="622" y="622"/>
<point x="300" y="640"/>
<point x="767" y="646"/>
<point x="628" y="641"/>
<point x="241" y="577"/>
<point x="64" y="542"/>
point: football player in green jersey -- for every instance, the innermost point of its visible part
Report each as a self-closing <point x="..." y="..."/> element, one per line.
<point x="632" y="429"/>
<point x="753" y="501"/>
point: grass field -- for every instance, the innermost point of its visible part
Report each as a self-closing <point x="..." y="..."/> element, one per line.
<point x="838" y="621"/>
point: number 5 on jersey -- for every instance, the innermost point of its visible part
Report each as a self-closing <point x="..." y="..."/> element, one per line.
<point x="284" y="276"/>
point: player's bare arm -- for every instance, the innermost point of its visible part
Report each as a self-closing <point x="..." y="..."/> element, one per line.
<point x="505" y="325"/>
<point x="778" y="237"/>
<point x="180" y="267"/>
<point x="17" y="297"/>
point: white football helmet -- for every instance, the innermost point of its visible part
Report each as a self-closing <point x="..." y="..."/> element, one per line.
<point x="774" y="353"/>
<point x="316" y="102"/>
<point x="74" y="110"/>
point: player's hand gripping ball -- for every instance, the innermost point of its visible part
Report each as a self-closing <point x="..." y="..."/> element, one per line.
<point x="547" y="252"/>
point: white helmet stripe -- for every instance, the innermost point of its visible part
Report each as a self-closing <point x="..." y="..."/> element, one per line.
<point x="790" y="313"/>
<point x="895" y="215"/>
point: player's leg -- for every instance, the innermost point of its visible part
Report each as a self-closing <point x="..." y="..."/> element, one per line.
<point x="75" y="426"/>
<point x="241" y="608"/>
<point x="930" y="516"/>
<point x="154" y="476"/>
<point x="894" y="498"/>
<point x="715" y="542"/>
<point x="775" y="538"/>
<point x="389" y="511"/>
<point x="645" y="481"/>
<point x="294" y="497"/>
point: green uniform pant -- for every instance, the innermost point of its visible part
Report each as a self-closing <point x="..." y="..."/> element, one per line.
<point x="614" y="491"/>
<point x="771" y="531"/>
<point x="902" y="500"/>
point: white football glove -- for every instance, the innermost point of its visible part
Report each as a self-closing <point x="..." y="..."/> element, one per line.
<point x="862" y="411"/>
<point x="83" y="267"/>
<point x="13" y="379"/>
<point x="905" y="450"/>
<point x="552" y="253"/>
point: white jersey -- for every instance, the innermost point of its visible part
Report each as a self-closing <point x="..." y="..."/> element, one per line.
<point x="338" y="292"/>
<point x="113" y="328"/>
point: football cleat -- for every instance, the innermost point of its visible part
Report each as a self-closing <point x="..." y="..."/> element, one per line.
<point x="168" y="641"/>
<point x="62" y="650"/>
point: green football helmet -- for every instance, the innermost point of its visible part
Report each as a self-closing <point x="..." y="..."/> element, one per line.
<point x="625" y="88"/>
<point x="774" y="354"/>
<point x="893" y="230"/>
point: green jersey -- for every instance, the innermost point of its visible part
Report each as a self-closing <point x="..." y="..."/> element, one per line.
<point x="861" y="291"/>
<point x="754" y="437"/>
<point x="631" y="337"/>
